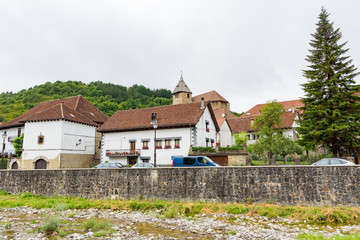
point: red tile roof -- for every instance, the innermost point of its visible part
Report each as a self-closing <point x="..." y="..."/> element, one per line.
<point x="77" y="103"/>
<point x="244" y="123"/>
<point x="212" y="96"/>
<point x="60" y="112"/>
<point x="287" y="105"/>
<point x="222" y="114"/>
<point x="180" y="115"/>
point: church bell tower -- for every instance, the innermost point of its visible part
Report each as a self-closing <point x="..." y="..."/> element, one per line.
<point x="181" y="93"/>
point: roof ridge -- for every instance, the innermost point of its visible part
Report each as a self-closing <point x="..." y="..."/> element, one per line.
<point x="138" y="109"/>
<point x="61" y="109"/>
<point x="77" y="101"/>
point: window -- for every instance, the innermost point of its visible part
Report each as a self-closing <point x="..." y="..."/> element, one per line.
<point x="189" y="161"/>
<point x="19" y="132"/>
<point x="207" y="126"/>
<point x="145" y="159"/>
<point x="212" y="143"/>
<point x="207" y="142"/>
<point x="145" y="145"/>
<point x="188" y="95"/>
<point x="167" y="143"/>
<point x="177" y="143"/>
<point x="40" y="139"/>
<point x="158" y="144"/>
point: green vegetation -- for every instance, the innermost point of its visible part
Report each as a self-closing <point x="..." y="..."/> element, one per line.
<point x="171" y="209"/>
<point x="311" y="236"/>
<point x="107" y="97"/>
<point x="100" y="227"/>
<point x="332" y="111"/>
<point x="18" y="144"/>
<point x="271" y="141"/>
<point x="241" y="138"/>
<point x="50" y="226"/>
<point x="203" y="149"/>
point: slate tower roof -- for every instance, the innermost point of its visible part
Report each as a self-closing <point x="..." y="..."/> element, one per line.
<point x="181" y="87"/>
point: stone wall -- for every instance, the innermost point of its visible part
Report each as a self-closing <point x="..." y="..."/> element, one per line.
<point x="295" y="185"/>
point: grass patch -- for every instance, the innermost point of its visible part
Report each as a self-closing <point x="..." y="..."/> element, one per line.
<point x="101" y="226"/>
<point x="311" y="236"/>
<point x="171" y="209"/>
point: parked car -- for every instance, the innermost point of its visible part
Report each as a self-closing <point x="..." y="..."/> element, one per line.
<point x="143" y="165"/>
<point x="194" y="161"/>
<point x="109" y="165"/>
<point x="332" y="161"/>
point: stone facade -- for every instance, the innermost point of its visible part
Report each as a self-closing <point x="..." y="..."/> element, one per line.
<point x="76" y="160"/>
<point x="295" y="185"/>
<point x="182" y="98"/>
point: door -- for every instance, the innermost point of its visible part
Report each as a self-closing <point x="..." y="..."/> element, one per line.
<point x="132" y="147"/>
<point x="40" y="164"/>
<point x="15" y="166"/>
<point x="132" y="160"/>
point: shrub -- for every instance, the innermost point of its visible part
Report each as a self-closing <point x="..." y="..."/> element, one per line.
<point x="203" y="149"/>
<point x="50" y="226"/>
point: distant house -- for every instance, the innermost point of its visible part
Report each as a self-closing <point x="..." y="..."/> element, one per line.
<point x="57" y="134"/>
<point x="289" y="106"/>
<point x="244" y="123"/>
<point x="129" y="136"/>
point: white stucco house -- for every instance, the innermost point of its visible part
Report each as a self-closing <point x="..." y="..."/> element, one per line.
<point x="57" y="134"/>
<point x="129" y="136"/>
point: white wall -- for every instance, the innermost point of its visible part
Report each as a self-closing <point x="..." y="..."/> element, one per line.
<point x="59" y="137"/>
<point x="226" y="138"/>
<point x="11" y="134"/>
<point x="200" y="134"/>
<point x="121" y="141"/>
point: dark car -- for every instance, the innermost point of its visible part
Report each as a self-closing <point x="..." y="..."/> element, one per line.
<point x="109" y="165"/>
<point x="332" y="161"/>
<point x="143" y="165"/>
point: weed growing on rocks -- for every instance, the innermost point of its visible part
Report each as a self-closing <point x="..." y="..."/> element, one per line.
<point x="50" y="226"/>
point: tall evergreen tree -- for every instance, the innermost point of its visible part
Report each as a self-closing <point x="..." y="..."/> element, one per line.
<point x="332" y="111"/>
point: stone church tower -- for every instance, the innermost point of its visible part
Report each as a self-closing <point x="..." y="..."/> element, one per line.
<point x="181" y="93"/>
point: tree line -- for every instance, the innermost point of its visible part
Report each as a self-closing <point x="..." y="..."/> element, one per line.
<point x="107" y="97"/>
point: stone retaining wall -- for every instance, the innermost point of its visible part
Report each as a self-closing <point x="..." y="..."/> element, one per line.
<point x="295" y="185"/>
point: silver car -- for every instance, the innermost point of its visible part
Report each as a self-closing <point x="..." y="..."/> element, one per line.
<point x="332" y="162"/>
<point x="143" y="165"/>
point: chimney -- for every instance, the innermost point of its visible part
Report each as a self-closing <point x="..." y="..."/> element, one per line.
<point x="292" y="108"/>
<point x="202" y="103"/>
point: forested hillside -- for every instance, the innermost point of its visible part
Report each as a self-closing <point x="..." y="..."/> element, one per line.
<point x="107" y="97"/>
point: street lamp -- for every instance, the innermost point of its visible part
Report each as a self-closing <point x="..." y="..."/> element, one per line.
<point x="3" y="149"/>
<point x="155" y="125"/>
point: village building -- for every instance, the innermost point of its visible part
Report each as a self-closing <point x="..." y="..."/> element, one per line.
<point x="237" y="125"/>
<point x="57" y="134"/>
<point x="219" y="105"/>
<point x="128" y="136"/>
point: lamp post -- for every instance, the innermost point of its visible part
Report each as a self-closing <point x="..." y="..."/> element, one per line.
<point x="3" y="149"/>
<point x="155" y="125"/>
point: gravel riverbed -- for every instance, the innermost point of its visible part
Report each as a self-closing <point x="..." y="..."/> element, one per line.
<point x="24" y="222"/>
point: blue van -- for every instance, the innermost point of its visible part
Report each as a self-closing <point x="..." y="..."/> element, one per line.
<point x="194" y="161"/>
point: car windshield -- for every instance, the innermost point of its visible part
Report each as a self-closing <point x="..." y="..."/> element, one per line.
<point x="323" y="162"/>
<point x="211" y="161"/>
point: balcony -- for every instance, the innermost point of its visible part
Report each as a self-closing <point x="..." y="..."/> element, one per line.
<point x="123" y="152"/>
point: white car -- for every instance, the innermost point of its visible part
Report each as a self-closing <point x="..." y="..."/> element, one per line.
<point x="332" y="162"/>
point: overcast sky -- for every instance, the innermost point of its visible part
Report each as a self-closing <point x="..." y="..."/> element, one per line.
<point x="248" y="51"/>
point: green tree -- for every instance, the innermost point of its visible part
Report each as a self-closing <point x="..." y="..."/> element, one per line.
<point x="241" y="138"/>
<point x="268" y="126"/>
<point x="18" y="145"/>
<point x="332" y="111"/>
